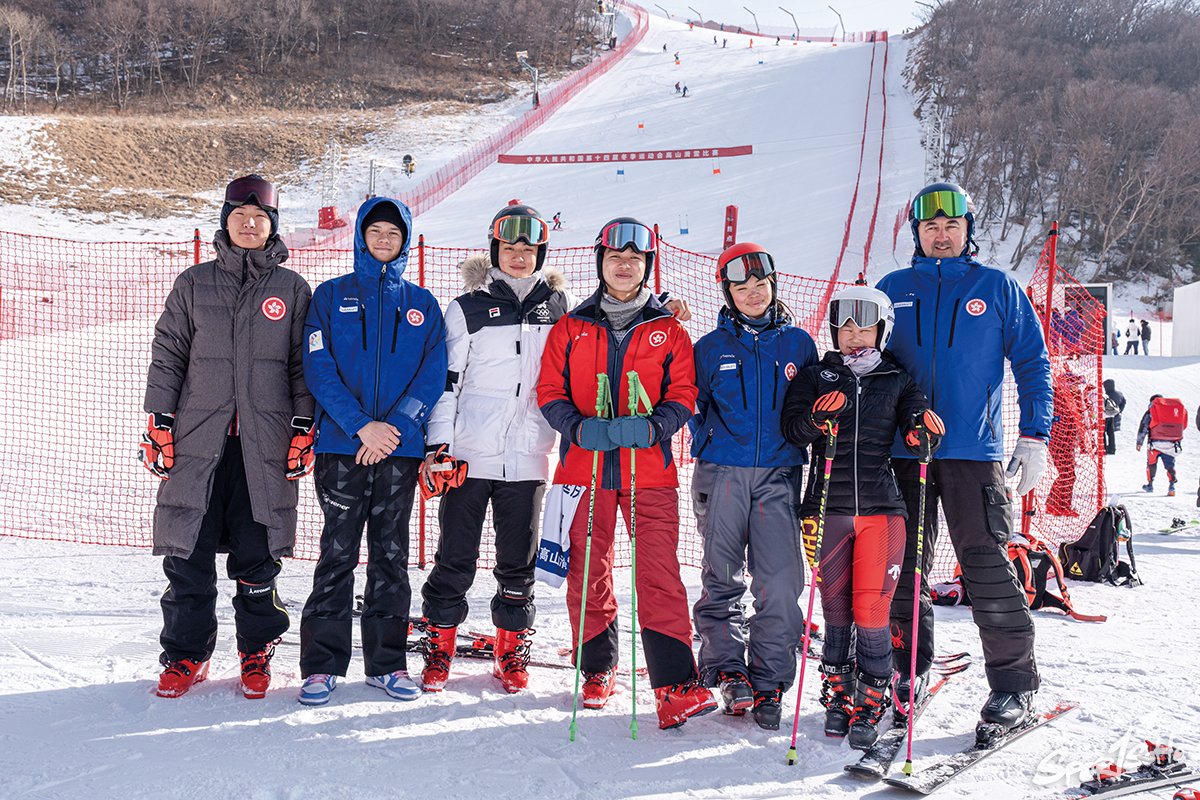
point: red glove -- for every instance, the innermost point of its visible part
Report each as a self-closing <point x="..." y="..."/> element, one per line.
<point x="827" y="407"/>
<point x="440" y="473"/>
<point x="157" y="448"/>
<point x="300" y="451"/>
<point x="925" y="434"/>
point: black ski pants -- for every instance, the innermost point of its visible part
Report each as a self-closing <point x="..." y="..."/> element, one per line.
<point x="189" y="605"/>
<point x="516" y="514"/>
<point x="352" y="495"/>
<point x="978" y="511"/>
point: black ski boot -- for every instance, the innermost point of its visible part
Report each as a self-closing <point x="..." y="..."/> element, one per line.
<point x="837" y="695"/>
<point x="872" y="697"/>
<point x="768" y="708"/>
<point x="1002" y="712"/>
<point x="736" y="694"/>
<point x="900" y="695"/>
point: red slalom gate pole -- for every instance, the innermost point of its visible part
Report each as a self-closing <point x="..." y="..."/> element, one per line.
<point x="196" y="246"/>
<point x="421" y="515"/>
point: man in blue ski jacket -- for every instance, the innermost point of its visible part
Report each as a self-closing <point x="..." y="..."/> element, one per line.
<point x="375" y="360"/>
<point x="957" y="322"/>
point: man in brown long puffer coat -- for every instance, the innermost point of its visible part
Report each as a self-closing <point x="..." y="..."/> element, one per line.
<point x="229" y="434"/>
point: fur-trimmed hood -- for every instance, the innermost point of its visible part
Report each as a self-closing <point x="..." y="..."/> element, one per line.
<point x="474" y="271"/>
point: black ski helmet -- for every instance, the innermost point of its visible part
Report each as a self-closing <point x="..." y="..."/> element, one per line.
<point x="515" y="210"/>
<point x="650" y="252"/>
<point x="971" y="247"/>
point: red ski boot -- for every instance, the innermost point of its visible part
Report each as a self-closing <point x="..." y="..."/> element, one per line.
<point x="256" y="672"/>
<point x="511" y="666"/>
<point x="682" y="700"/>
<point x="438" y="644"/>
<point x="598" y="686"/>
<point x="179" y="676"/>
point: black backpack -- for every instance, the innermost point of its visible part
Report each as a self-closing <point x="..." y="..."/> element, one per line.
<point x="1096" y="556"/>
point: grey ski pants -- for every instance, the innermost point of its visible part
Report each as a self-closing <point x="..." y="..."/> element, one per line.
<point x="747" y="516"/>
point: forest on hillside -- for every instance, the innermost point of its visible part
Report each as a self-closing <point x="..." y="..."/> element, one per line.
<point x="158" y="55"/>
<point x="1087" y="113"/>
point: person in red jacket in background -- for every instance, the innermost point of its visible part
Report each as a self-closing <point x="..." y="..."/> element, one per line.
<point x="622" y="327"/>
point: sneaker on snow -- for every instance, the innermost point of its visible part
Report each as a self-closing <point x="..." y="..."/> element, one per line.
<point x="598" y="687"/>
<point x="397" y="685"/>
<point x="768" y="708"/>
<point x="179" y="676"/>
<point x="316" y="690"/>
<point x="256" y="671"/>
<point x="678" y="702"/>
<point x="736" y="695"/>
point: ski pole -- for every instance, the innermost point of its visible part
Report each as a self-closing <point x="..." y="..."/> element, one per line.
<point x="830" y="447"/>
<point x="926" y="456"/>
<point x="601" y="406"/>
<point x="635" y="391"/>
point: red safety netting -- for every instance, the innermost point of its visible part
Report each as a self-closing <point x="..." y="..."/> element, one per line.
<point x="76" y="321"/>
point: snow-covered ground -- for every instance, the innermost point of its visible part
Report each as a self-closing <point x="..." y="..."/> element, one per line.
<point x="78" y="645"/>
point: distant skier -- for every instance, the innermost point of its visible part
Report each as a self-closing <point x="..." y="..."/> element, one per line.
<point x="1163" y="425"/>
<point x="557" y="221"/>
<point x="685" y="90"/>
<point x="677" y="87"/>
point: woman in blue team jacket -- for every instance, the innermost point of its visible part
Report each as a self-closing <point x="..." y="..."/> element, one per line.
<point x="375" y="360"/>
<point x="746" y="487"/>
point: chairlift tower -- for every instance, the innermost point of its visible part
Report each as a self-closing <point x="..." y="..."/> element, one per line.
<point x="331" y="171"/>
<point x="933" y="124"/>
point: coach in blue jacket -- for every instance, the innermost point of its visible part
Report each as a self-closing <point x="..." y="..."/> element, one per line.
<point x="375" y="360"/>
<point x="957" y="322"/>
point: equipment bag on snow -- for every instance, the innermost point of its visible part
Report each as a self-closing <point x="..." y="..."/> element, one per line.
<point x="1034" y="561"/>
<point x="1168" y="418"/>
<point x="1096" y="556"/>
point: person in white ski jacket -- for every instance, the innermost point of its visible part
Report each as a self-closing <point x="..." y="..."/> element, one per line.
<point x="489" y="417"/>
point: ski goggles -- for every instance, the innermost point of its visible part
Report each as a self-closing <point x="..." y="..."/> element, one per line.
<point x="513" y="229"/>
<point x="863" y="313"/>
<point x="745" y="267"/>
<point x="619" y="235"/>
<point x="945" y="202"/>
<point x="252" y="189"/>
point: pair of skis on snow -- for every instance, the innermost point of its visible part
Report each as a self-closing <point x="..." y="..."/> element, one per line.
<point x="1164" y="770"/>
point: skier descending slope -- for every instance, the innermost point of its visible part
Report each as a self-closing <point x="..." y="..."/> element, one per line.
<point x="957" y="321"/>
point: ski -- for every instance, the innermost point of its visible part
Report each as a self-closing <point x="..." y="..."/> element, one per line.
<point x="875" y="762"/>
<point x="1179" y="525"/>
<point x="1165" y="769"/>
<point x="942" y="772"/>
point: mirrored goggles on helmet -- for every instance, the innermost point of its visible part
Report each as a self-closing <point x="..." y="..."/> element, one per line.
<point x="252" y="188"/>
<point x="863" y="313"/>
<point x="513" y="229"/>
<point x="744" y="267"/>
<point x="620" y="235"/>
<point x="945" y="202"/>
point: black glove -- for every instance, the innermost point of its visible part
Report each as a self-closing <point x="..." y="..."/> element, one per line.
<point x="924" y="435"/>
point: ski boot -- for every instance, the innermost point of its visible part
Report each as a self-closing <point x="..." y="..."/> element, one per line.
<point x="837" y="695"/>
<point x="179" y="676"/>
<point x="768" y="708"/>
<point x="511" y="665"/>
<point x="736" y="694"/>
<point x="872" y="696"/>
<point x="256" y="671"/>
<point x="1149" y="487"/>
<point x="1171" y="489"/>
<point x="1002" y="712"/>
<point x="900" y="695"/>
<point x="679" y="701"/>
<point x="598" y="687"/>
<point x="438" y="645"/>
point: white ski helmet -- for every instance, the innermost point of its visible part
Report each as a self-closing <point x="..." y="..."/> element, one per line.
<point x="864" y="306"/>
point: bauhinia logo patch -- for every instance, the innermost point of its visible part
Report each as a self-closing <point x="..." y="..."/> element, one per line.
<point x="657" y="338"/>
<point x="415" y="317"/>
<point x="789" y="371"/>
<point x="975" y="307"/>
<point x="274" y="309"/>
